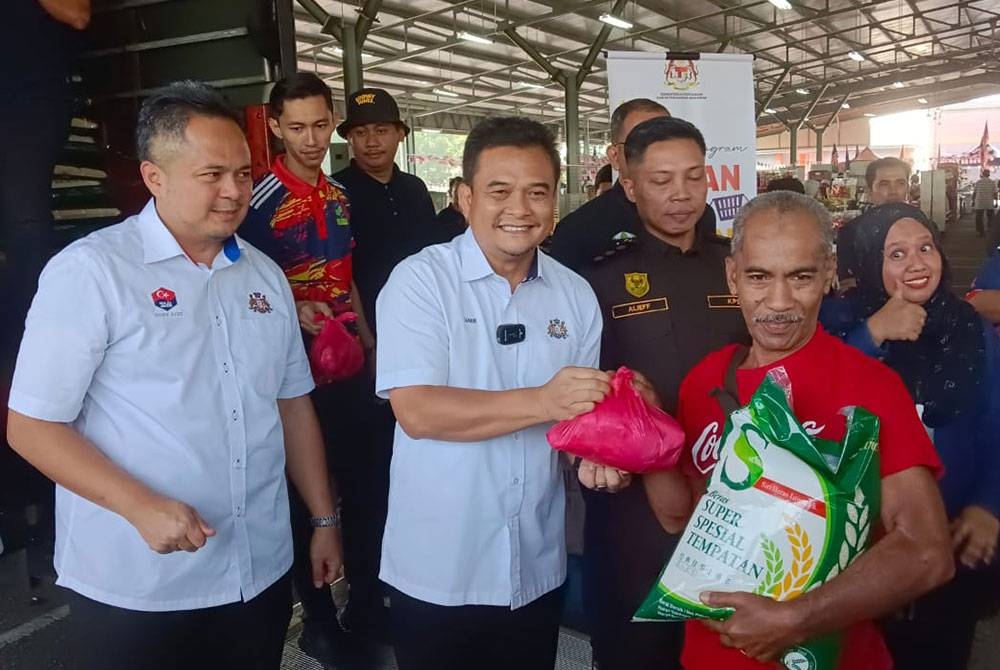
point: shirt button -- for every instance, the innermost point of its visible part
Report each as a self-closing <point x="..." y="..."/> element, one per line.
<point x="234" y="415"/>
<point x="218" y="321"/>
<point x="516" y="481"/>
<point x="225" y="368"/>
<point x="237" y="462"/>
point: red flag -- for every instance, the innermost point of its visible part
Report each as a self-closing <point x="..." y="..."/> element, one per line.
<point x="984" y="145"/>
<point x="835" y="159"/>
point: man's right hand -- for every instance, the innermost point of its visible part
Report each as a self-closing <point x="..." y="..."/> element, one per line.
<point x="169" y="525"/>
<point x="572" y="392"/>
<point x="307" y="310"/>
<point x="899" y="319"/>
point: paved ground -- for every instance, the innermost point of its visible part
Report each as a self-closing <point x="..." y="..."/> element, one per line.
<point x="32" y="616"/>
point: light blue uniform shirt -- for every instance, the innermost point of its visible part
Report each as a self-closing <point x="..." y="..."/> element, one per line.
<point x="479" y="523"/>
<point x="173" y="370"/>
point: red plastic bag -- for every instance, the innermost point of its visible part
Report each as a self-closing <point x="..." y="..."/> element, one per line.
<point x="623" y="431"/>
<point x="335" y="354"/>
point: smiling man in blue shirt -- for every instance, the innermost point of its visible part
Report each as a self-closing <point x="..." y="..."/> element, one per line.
<point x="163" y="385"/>
<point x="483" y="343"/>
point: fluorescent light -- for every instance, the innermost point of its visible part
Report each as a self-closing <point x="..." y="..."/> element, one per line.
<point x="854" y="55"/>
<point x="334" y="51"/>
<point x="434" y="131"/>
<point x="898" y="84"/>
<point x="802" y="91"/>
<point x="922" y="101"/>
<point x="781" y="4"/>
<point x="870" y="115"/>
<point x="472" y="37"/>
<point x="845" y="106"/>
<point x="770" y="111"/>
<point x="447" y="94"/>
<point x="559" y="108"/>
<point x="613" y="20"/>
<point x="530" y="84"/>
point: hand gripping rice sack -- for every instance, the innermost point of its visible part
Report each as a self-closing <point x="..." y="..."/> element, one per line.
<point x="784" y="512"/>
<point x="335" y="353"/>
<point x="623" y="431"/>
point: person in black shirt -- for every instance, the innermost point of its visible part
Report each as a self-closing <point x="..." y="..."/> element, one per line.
<point x="596" y="227"/>
<point x="604" y="180"/>
<point x="451" y="218"/>
<point x="666" y="305"/>
<point x="392" y="217"/>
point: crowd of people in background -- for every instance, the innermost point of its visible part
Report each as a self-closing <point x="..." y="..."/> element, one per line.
<point x="202" y="474"/>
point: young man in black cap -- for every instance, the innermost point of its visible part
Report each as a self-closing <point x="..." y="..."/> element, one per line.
<point x="392" y="217"/>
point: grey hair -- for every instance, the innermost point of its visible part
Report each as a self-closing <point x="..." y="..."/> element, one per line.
<point x="165" y="114"/>
<point x="783" y="202"/>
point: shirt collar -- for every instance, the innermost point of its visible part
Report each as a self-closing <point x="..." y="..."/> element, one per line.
<point x="648" y="238"/>
<point x="159" y="244"/>
<point x="357" y="168"/>
<point x="475" y="266"/>
<point x="298" y="187"/>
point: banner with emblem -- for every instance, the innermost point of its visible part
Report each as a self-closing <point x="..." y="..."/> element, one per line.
<point x="715" y="93"/>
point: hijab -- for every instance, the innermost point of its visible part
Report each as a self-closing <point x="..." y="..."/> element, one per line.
<point x="944" y="368"/>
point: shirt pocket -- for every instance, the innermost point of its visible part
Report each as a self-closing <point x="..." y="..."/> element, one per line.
<point x="260" y="352"/>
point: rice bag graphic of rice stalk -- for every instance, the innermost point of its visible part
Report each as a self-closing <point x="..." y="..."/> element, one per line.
<point x="783" y="513"/>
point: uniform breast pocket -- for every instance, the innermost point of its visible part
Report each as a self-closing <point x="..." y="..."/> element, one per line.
<point x="640" y="321"/>
<point x="260" y="352"/>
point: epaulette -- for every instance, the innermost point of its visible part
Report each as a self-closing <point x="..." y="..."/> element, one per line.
<point x="621" y="243"/>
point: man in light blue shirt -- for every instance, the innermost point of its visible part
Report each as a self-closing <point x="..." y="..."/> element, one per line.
<point x="163" y="385"/>
<point x="483" y="343"/>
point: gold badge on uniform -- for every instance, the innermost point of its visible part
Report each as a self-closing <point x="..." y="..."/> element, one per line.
<point x="637" y="283"/>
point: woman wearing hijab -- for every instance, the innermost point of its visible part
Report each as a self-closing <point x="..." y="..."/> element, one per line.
<point x="903" y="312"/>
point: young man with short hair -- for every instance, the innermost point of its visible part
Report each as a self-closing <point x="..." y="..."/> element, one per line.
<point x="301" y="219"/>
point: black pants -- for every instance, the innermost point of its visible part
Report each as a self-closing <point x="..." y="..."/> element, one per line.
<point x="358" y="434"/>
<point x="247" y="635"/>
<point x="984" y="220"/>
<point x="937" y="632"/>
<point x="433" y="637"/>
<point x="36" y="125"/>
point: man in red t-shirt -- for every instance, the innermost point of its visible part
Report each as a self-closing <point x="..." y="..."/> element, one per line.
<point x="782" y="264"/>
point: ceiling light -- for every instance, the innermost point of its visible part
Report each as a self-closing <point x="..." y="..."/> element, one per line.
<point x="530" y="84"/>
<point x="770" y="111"/>
<point x="922" y="101"/>
<point x="781" y="4"/>
<point x="472" y="37"/>
<point x="898" y="84"/>
<point x="434" y="131"/>
<point x="802" y="91"/>
<point x="870" y="115"/>
<point x="613" y="20"/>
<point x="854" y="55"/>
<point x="447" y="94"/>
<point x="559" y="108"/>
<point x="845" y="106"/>
<point x="333" y="51"/>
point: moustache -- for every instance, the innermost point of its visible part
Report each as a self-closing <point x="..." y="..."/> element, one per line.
<point x="778" y="317"/>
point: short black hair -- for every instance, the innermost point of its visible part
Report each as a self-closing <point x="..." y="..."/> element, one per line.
<point x="603" y="175"/>
<point x="508" y="131"/>
<point x="297" y="86"/>
<point x="881" y="163"/>
<point x="623" y="110"/>
<point x="165" y="114"/>
<point x="453" y="182"/>
<point x="660" y="129"/>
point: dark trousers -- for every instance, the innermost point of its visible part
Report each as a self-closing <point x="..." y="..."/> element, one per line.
<point x="984" y="220"/>
<point x="936" y="632"/>
<point x="434" y="637"/>
<point x="36" y="125"/>
<point x="358" y="433"/>
<point x="247" y="635"/>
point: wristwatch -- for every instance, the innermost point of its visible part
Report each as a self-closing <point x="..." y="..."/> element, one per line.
<point x="332" y="521"/>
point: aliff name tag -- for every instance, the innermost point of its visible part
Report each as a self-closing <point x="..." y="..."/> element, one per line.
<point x="640" y="307"/>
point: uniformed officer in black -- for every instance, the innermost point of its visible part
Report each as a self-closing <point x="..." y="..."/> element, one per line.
<point x="392" y="217"/>
<point x="594" y="228"/>
<point x="666" y="305"/>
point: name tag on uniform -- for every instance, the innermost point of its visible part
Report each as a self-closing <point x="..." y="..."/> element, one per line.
<point x="640" y="307"/>
<point x="723" y="301"/>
